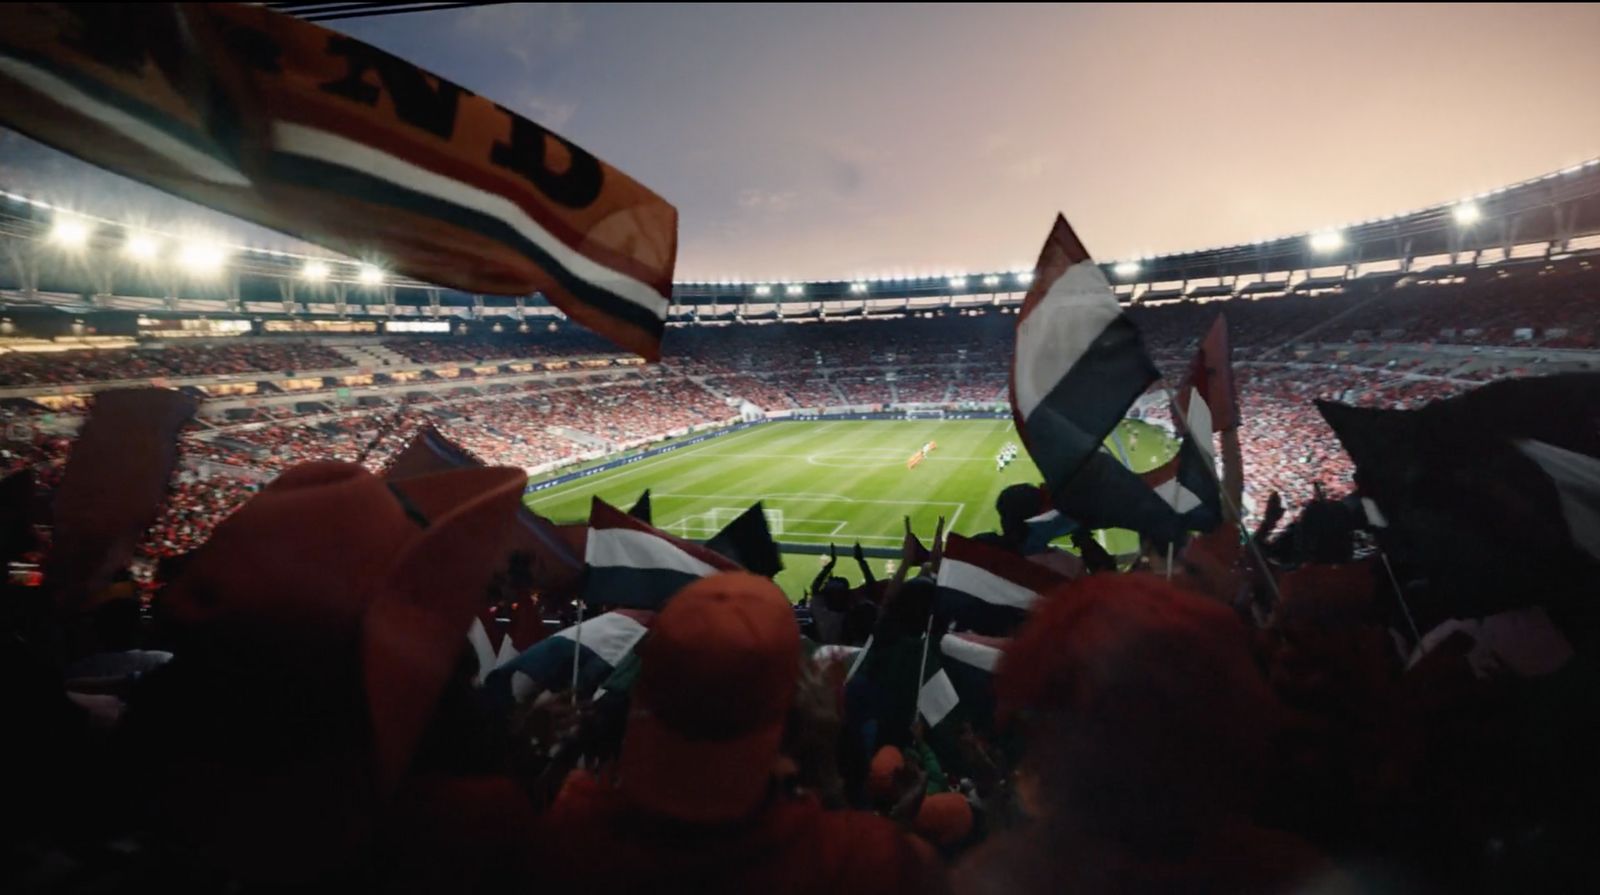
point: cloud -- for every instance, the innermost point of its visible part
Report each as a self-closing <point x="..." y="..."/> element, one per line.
<point x="547" y="110"/>
<point x="525" y="31"/>
<point x="1027" y="168"/>
<point x="770" y="201"/>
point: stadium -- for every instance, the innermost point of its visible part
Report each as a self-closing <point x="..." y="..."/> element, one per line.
<point x="1379" y="316"/>
<point x="1060" y="557"/>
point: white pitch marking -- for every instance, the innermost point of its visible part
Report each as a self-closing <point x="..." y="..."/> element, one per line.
<point x="613" y="475"/>
<point x="803" y="496"/>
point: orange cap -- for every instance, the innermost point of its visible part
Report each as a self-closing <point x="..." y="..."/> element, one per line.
<point x="718" y="672"/>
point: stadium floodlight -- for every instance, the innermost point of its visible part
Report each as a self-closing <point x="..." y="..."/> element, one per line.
<point x="763" y="290"/>
<point x="69" y="233"/>
<point x="1327" y="241"/>
<point x="795" y="289"/>
<point x="1127" y="268"/>
<point x="858" y="288"/>
<point x="202" y="257"/>
<point x="314" y="272"/>
<point x="957" y="282"/>
<point x="369" y="275"/>
<point x="991" y="280"/>
<point x="1025" y="277"/>
<point x="1466" y="213"/>
<point x="140" y="247"/>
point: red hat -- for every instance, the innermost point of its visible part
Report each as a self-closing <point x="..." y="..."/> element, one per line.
<point x="333" y="578"/>
<point x="1328" y="595"/>
<point x="944" y="819"/>
<point x="717" y="675"/>
<point x="880" y="773"/>
<point x="1138" y="686"/>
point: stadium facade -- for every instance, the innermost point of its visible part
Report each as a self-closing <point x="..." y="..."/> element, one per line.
<point x="62" y="274"/>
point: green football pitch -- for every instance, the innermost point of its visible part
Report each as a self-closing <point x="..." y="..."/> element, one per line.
<point x="836" y="482"/>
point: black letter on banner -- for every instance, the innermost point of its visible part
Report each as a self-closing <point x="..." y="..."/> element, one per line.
<point x="254" y="48"/>
<point x="416" y="101"/>
<point x="577" y="187"/>
<point x="120" y="36"/>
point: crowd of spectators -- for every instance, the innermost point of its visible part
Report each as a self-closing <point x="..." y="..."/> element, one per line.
<point x="215" y="359"/>
<point x="349" y="679"/>
<point x="470" y="349"/>
<point x="1548" y="306"/>
<point x="757" y="391"/>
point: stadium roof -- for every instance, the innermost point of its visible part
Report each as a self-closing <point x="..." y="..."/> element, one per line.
<point x="83" y="263"/>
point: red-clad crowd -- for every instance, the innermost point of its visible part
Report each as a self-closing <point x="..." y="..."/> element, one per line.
<point x="348" y="681"/>
<point x="215" y="359"/>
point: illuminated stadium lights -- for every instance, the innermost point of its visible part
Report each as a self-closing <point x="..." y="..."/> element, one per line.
<point x="69" y="233"/>
<point x="141" y="248"/>
<point x="795" y="289"/>
<point x="1467" y="213"/>
<point x="1127" y="268"/>
<point x="314" y="272"/>
<point x="957" y="282"/>
<point x="1025" y="277"/>
<point x="202" y="257"/>
<point x="1327" y="241"/>
<point x="858" y="288"/>
<point x="763" y="290"/>
<point x="369" y="275"/>
<point x="991" y="280"/>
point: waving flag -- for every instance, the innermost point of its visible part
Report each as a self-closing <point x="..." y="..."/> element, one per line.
<point x="747" y="540"/>
<point x="553" y="564"/>
<point x="988" y="590"/>
<point x="429" y="451"/>
<point x="1079" y="364"/>
<point x="1185" y="483"/>
<point x="958" y="691"/>
<point x="316" y="134"/>
<point x="115" y="481"/>
<point x="641" y="508"/>
<point x="1493" y="495"/>
<point x="1210" y="374"/>
<point x="634" y="565"/>
<point x="605" y="641"/>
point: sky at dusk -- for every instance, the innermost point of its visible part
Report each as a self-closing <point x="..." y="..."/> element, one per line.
<point x="841" y="141"/>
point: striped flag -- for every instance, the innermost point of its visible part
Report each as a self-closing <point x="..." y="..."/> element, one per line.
<point x="313" y="133"/>
<point x="482" y="636"/>
<point x="1185" y="483"/>
<point x="970" y="661"/>
<point x="957" y="691"/>
<point x="1210" y="374"/>
<point x="552" y="562"/>
<point x="634" y="565"/>
<point x="641" y="508"/>
<point x="605" y="642"/>
<point x="747" y="540"/>
<point x="429" y="451"/>
<point x="988" y="590"/>
<point x="1079" y="365"/>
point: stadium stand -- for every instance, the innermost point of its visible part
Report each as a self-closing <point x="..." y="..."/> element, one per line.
<point x="1310" y="722"/>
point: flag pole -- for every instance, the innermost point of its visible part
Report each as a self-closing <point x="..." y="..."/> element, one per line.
<point x="922" y="669"/>
<point x="1400" y="597"/>
<point x="577" y="651"/>
<point x="1227" y="501"/>
<point x="1171" y="546"/>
